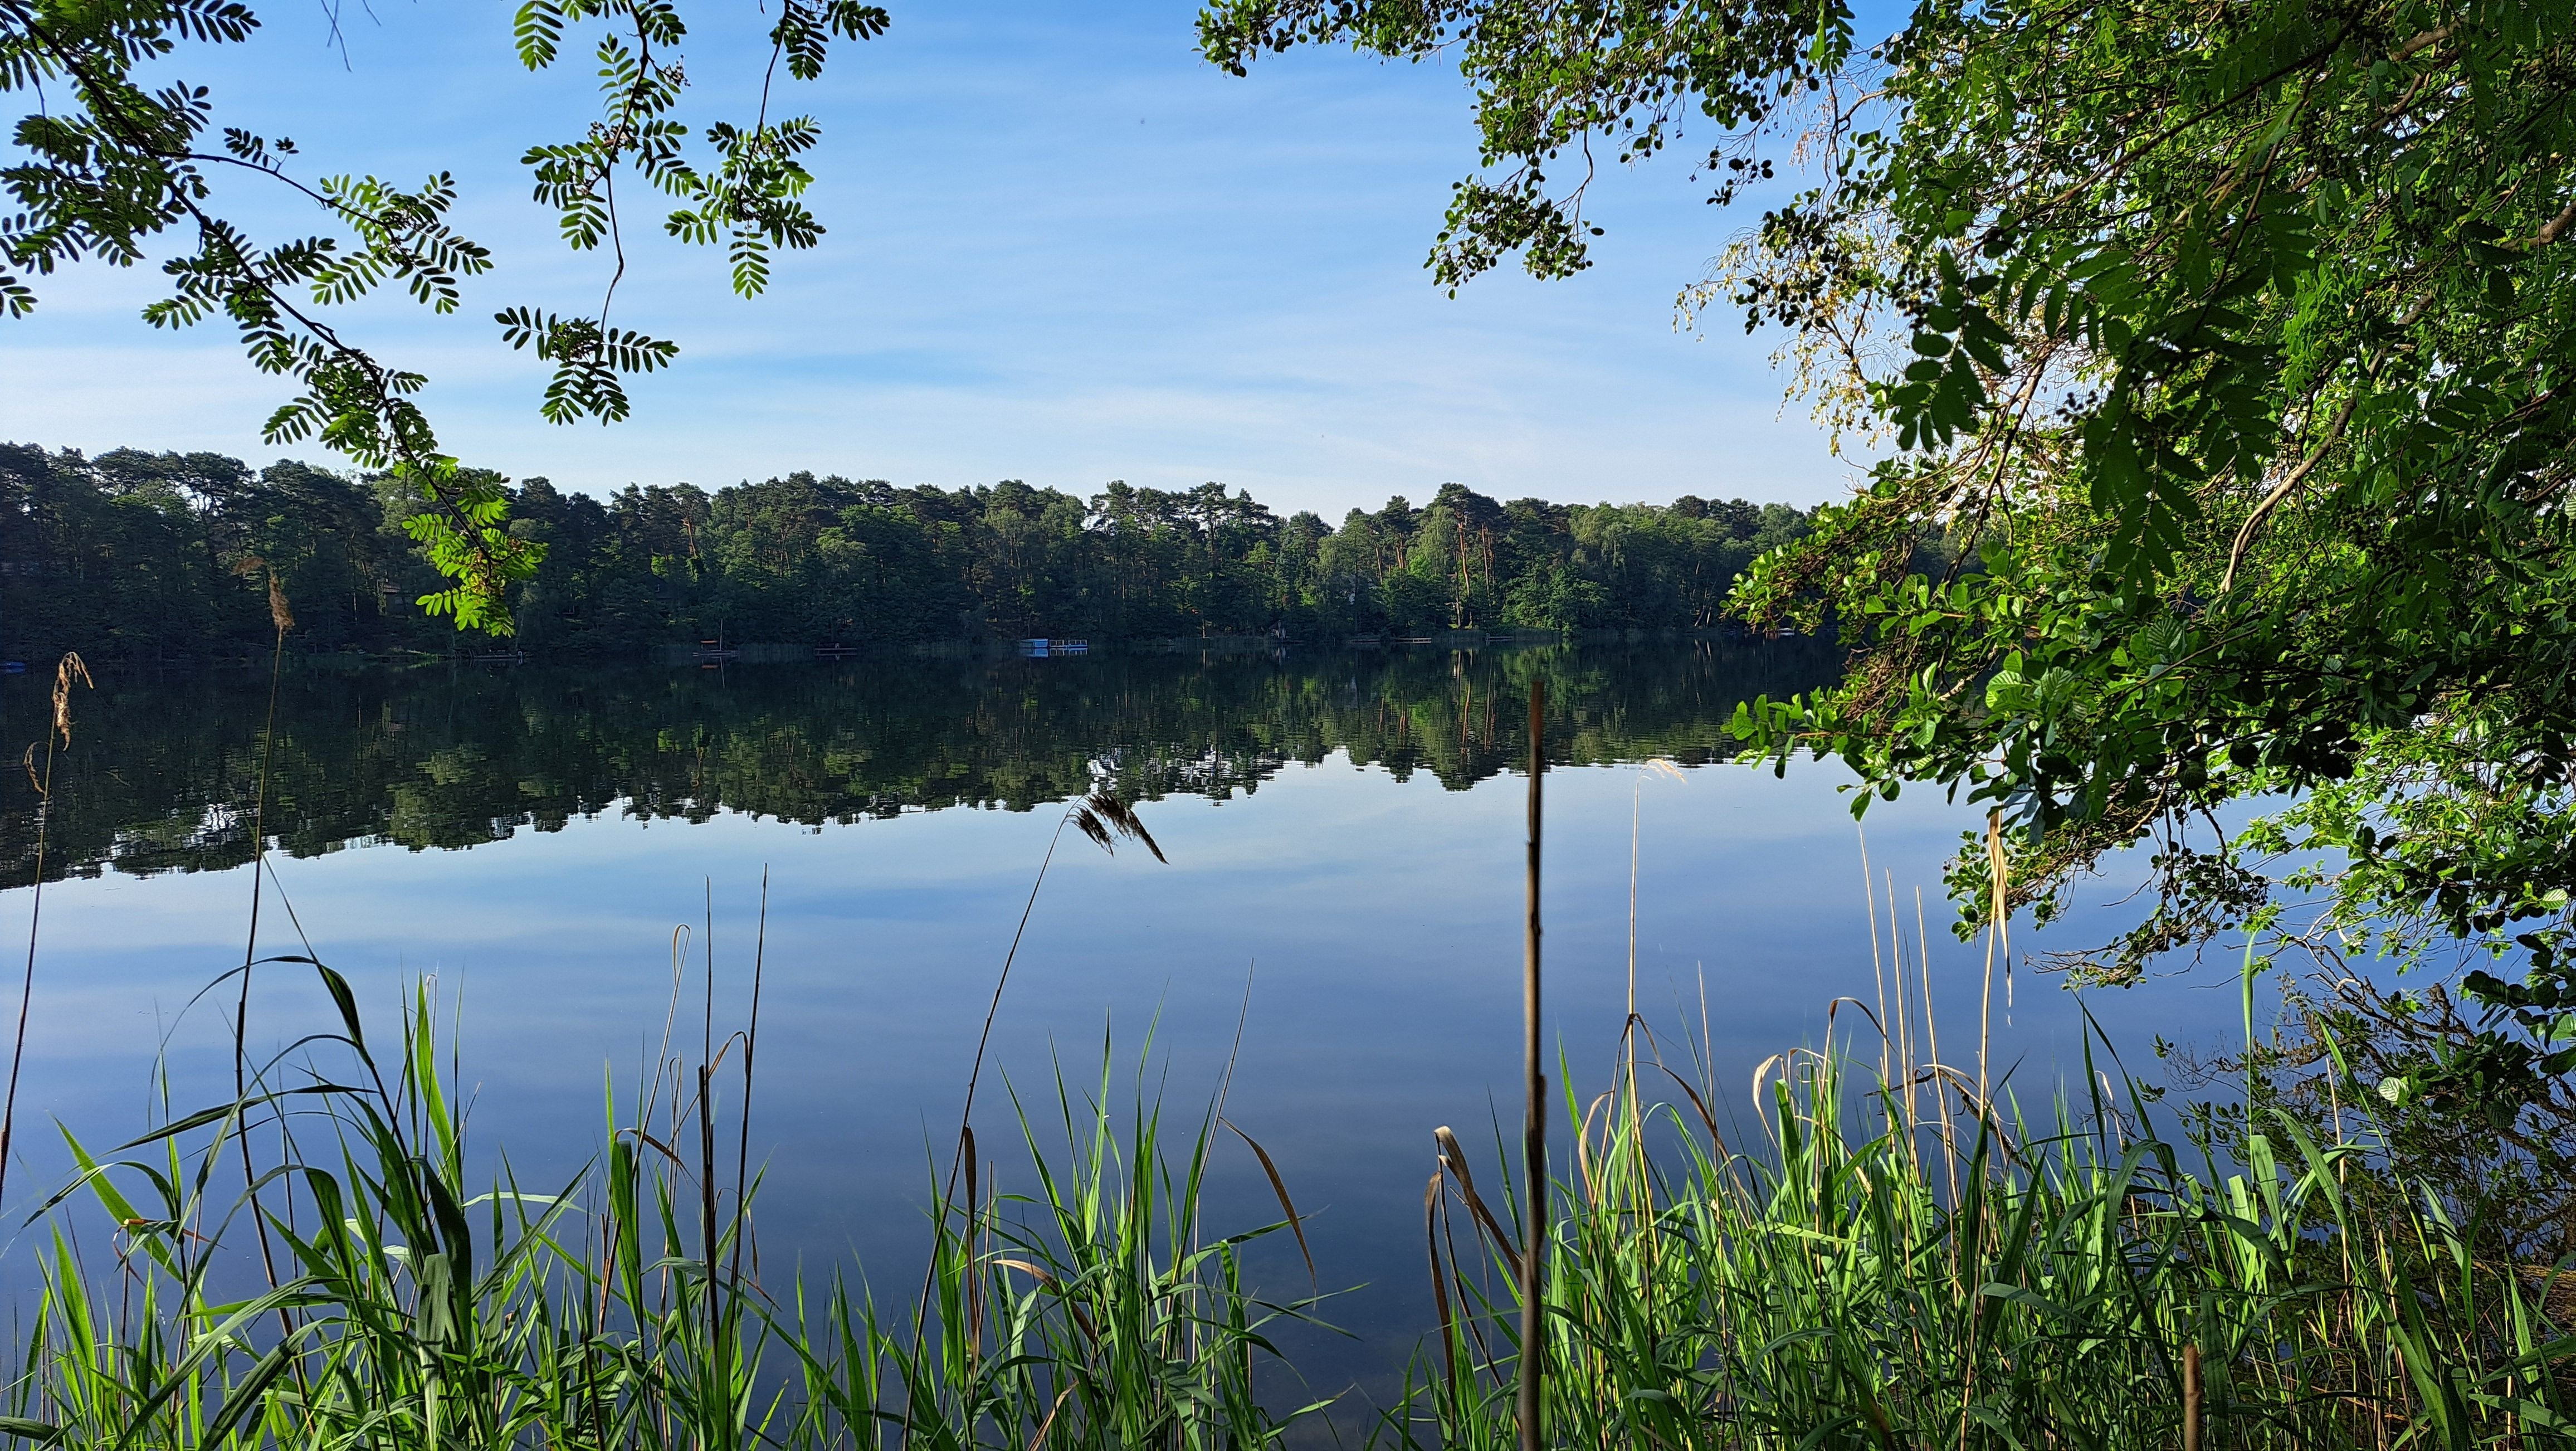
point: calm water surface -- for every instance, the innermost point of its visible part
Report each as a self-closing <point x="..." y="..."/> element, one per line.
<point x="1344" y="835"/>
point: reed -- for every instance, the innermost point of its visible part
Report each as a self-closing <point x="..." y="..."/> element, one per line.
<point x="1530" y="1395"/>
<point x="58" y="734"/>
<point x="1842" y="1269"/>
<point x="1903" y="1258"/>
<point x="1093" y="1314"/>
<point x="623" y="1307"/>
<point x="1887" y="1253"/>
<point x="2087" y="1283"/>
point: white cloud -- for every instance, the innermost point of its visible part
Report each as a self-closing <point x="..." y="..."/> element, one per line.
<point x="1061" y="250"/>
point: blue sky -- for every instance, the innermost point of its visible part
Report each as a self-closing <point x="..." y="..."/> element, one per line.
<point x="1062" y="248"/>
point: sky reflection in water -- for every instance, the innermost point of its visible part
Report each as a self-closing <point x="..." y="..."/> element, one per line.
<point x="1374" y="925"/>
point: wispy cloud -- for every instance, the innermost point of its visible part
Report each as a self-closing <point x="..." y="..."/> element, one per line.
<point x="1061" y="249"/>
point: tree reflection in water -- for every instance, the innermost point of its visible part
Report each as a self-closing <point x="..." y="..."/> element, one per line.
<point x="164" y="767"/>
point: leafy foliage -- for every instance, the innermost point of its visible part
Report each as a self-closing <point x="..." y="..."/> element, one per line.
<point x="108" y="162"/>
<point x="749" y="199"/>
<point x="2229" y="349"/>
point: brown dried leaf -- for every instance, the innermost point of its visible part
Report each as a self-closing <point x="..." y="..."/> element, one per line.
<point x="278" y="614"/>
<point x="1453" y="1162"/>
<point x="1279" y="1188"/>
<point x="70" y="669"/>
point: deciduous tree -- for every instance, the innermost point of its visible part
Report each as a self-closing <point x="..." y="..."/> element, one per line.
<point x="2222" y="360"/>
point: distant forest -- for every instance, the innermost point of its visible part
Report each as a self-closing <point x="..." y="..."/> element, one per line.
<point x="134" y="555"/>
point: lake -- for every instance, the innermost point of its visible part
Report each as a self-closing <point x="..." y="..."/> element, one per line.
<point x="1342" y="897"/>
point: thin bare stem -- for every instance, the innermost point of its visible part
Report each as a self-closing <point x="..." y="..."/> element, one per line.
<point x="250" y="944"/>
<point x="1533" y="1365"/>
<point x="1877" y="962"/>
<point x="1994" y="939"/>
<point x="27" y="985"/>
<point x="750" y="1046"/>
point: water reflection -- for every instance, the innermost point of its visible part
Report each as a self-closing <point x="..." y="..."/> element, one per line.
<point x="167" y="768"/>
<point x="1359" y="914"/>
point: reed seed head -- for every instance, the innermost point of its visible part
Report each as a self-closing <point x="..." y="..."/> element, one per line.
<point x="1104" y="818"/>
<point x="71" y="668"/>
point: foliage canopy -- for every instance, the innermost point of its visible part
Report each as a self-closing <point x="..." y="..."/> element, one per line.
<point x="112" y="157"/>
<point x="2230" y="346"/>
<point x="133" y="555"/>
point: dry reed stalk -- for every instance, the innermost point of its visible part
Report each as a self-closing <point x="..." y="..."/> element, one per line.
<point x="1923" y="971"/>
<point x="1932" y="1028"/>
<point x="707" y="1201"/>
<point x="70" y="668"/>
<point x="1994" y="938"/>
<point x="1439" y="1279"/>
<point x="1448" y="1176"/>
<point x="284" y="619"/>
<point x="1985" y="1091"/>
<point x="2191" y="1398"/>
<point x="1628" y="1024"/>
<point x="1104" y="818"/>
<point x="1453" y="1163"/>
<point x="1877" y="965"/>
<point x="707" y="1134"/>
<point x="1645" y="1203"/>
<point x="649" y="1098"/>
<point x="1905" y="1062"/>
<point x="750" y="1048"/>
<point x="1533" y="1362"/>
<point x="974" y="1281"/>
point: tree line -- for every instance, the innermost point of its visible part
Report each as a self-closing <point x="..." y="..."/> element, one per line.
<point x="169" y="556"/>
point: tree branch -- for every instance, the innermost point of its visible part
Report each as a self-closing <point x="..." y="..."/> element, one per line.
<point x="2271" y="501"/>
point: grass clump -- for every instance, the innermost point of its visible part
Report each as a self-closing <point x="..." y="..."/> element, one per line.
<point x="1887" y="1257"/>
<point x="1889" y="1267"/>
<point x="356" y="1294"/>
<point x="1102" y="1317"/>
